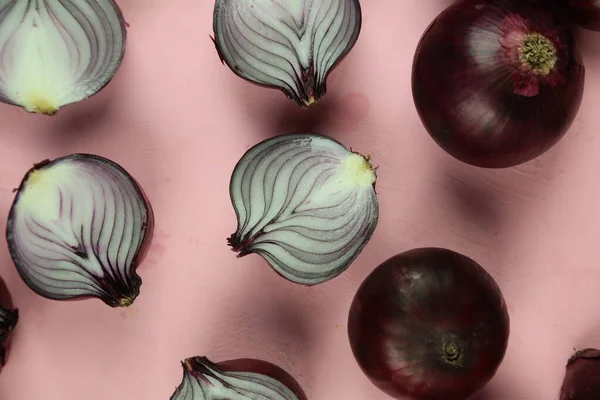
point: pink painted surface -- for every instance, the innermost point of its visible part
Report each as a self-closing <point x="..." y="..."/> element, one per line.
<point x="178" y="121"/>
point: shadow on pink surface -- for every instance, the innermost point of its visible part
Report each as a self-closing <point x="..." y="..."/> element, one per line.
<point x="266" y="322"/>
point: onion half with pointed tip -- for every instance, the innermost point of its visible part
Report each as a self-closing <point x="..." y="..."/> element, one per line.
<point x="429" y="324"/>
<point x="291" y="45"/>
<point x="305" y="203"/>
<point x="9" y="317"/>
<point x="582" y="376"/>
<point x="240" y="379"/>
<point x="57" y="52"/>
<point x="78" y="227"/>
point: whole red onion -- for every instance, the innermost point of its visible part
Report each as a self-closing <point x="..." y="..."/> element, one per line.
<point x="498" y="83"/>
<point x="582" y="377"/>
<point x="586" y="13"/>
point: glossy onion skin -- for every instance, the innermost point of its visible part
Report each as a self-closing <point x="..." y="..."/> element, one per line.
<point x="117" y="284"/>
<point x="582" y="377"/>
<point x="412" y="304"/>
<point x="464" y="86"/>
<point x="290" y="45"/>
<point x="587" y="13"/>
<point x="207" y="380"/>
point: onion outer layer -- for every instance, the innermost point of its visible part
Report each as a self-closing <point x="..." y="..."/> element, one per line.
<point x="429" y="324"/>
<point x="240" y="379"/>
<point x="499" y="84"/>
<point x="78" y="227"/>
<point x="305" y="203"/>
<point x="582" y="376"/>
<point x="291" y="45"/>
<point x="58" y="52"/>
<point x="587" y="13"/>
<point x="9" y="317"/>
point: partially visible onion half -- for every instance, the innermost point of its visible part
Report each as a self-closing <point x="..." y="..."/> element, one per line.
<point x="582" y="376"/>
<point x="239" y="379"/>
<point x="291" y="45"/>
<point x="58" y="52"/>
<point x="305" y="203"/>
<point x="79" y="226"/>
<point x="9" y="317"/>
<point x="497" y="83"/>
<point x="587" y="13"/>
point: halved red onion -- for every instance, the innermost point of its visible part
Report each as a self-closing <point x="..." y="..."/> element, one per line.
<point x="58" y="52"/>
<point x="240" y="379"/>
<point x="291" y="45"/>
<point x="79" y="227"/>
<point x="305" y="203"/>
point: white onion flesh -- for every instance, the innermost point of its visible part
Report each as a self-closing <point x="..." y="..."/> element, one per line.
<point x="306" y="204"/>
<point x="205" y="380"/>
<point x="58" y="52"/>
<point x="291" y="45"/>
<point x="79" y="227"/>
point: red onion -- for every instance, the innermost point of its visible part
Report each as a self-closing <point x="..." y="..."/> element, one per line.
<point x="430" y="324"/>
<point x="57" y="52"/>
<point x="582" y="377"/>
<point x="240" y="379"/>
<point x="305" y="203"/>
<point x="290" y="45"/>
<point x="9" y="317"/>
<point x="587" y="13"/>
<point x="497" y="83"/>
<point x="79" y="226"/>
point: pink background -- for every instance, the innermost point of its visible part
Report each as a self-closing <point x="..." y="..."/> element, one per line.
<point x="178" y="121"/>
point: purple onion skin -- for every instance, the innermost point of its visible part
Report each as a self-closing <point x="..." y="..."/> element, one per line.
<point x="586" y="13"/>
<point x="9" y="317"/>
<point x="473" y="95"/>
<point x="411" y="306"/>
<point x="582" y="377"/>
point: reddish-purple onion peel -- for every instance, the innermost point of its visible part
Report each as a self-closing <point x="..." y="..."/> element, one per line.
<point x="582" y="377"/>
<point x="586" y="13"/>
<point x="429" y="324"/>
<point x="498" y="83"/>
<point x="9" y="317"/>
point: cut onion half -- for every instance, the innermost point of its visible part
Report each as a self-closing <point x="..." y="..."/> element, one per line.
<point x="79" y="227"/>
<point x="58" y="52"/>
<point x="291" y="45"/>
<point x="306" y="204"/>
